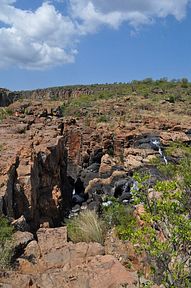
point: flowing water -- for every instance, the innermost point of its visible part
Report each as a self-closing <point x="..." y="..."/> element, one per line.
<point x="157" y="144"/>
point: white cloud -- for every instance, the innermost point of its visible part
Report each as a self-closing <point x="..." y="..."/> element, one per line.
<point x="46" y="37"/>
<point x="36" y="40"/>
<point x="135" y="12"/>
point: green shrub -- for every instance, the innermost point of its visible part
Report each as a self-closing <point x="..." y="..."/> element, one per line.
<point x="170" y="213"/>
<point x="86" y="227"/>
<point x="169" y="258"/>
<point x="122" y="218"/>
<point x="172" y="99"/>
<point x="4" y="113"/>
<point x="117" y="214"/>
<point x="6" y="247"/>
<point x="184" y="83"/>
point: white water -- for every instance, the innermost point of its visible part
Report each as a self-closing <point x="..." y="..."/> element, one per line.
<point x="157" y="144"/>
<point x="107" y="204"/>
<point x="135" y="186"/>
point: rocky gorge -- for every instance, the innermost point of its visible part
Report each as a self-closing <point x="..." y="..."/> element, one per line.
<point x="72" y="150"/>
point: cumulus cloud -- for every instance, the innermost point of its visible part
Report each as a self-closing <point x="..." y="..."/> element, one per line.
<point x="47" y="37"/>
<point x="37" y="39"/>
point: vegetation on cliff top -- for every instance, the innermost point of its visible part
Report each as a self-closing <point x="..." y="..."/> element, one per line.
<point x="142" y="97"/>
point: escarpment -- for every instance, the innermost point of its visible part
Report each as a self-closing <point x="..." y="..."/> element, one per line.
<point x="58" y="93"/>
<point x="64" y="151"/>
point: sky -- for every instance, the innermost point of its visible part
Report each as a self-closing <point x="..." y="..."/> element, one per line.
<point x="68" y="42"/>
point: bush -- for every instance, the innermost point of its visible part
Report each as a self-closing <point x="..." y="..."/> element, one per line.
<point x="4" y="113"/>
<point x="165" y="233"/>
<point x="121" y="217"/>
<point x="6" y="247"/>
<point x="169" y="257"/>
<point x="184" y="83"/>
<point x="86" y="227"/>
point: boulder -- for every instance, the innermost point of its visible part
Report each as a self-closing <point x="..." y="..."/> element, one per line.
<point x="51" y="238"/>
<point x="21" y="240"/>
<point x="20" y="224"/>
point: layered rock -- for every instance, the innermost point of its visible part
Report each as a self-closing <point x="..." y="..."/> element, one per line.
<point x="33" y="176"/>
<point x="59" y="93"/>
<point x="51" y="261"/>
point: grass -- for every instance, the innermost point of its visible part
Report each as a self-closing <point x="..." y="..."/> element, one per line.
<point x="6" y="247"/>
<point x="4" y="113"/>
<point x="86" y="227"/>
<point x="137" y="100"/>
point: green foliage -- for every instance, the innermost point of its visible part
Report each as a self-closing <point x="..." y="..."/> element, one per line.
<point x="110" y="151"/>
<point x="6" y="249"/>
<point x="168" y="247"/>
<point x="4" y="113"/>
<point x="180" y="169"/>
<point x="170" y="257"/>
<point x="5" y="230"/>
<point x="121" y="217"/>
<point x="172" y="91"/>
<point x="139" y="195"/>
<point x="184" y="83"/>
<point x="172" y="99"/>
<point x="168" y="170"/>
<point x="178" y="149"/>
<point x="86" y="227"/>
<point x="85" y="101"/>
<point x="103" y="118"/>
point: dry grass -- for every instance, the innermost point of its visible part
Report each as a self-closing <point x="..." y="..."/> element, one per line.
<point x="6" y="253"/>
<point x="86" y="227"/>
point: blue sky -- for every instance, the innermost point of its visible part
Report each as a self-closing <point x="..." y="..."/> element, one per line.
<point x="57" y="43"/>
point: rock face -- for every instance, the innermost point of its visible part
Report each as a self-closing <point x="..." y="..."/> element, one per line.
<point x="61" y="93"/>
<point x="50" y="164"/>
<point x="33" y="168"/>
<point x="7" y="97"/>
<point x="43" y="154"/>
<point x="53" y="262"/>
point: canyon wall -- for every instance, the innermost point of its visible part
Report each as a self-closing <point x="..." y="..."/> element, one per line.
<point x="33" y="168"/>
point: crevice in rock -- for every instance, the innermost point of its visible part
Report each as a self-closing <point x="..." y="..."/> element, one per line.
<point x="8" y="202"/>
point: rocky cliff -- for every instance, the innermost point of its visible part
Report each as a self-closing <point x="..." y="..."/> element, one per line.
<point x="44" y="153"/>
<point x="58" y="157"/>
<point x="7" y="97"/>
<point x="34" y="169"/>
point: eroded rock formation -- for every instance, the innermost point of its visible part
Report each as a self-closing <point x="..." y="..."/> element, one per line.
<point x="43" y="154"/>
<point x="51" y="164"/>
<point x="33" y="177"/>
